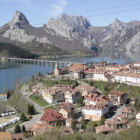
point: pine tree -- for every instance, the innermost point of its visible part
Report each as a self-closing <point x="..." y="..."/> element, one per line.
<point x="29" y="109"/>
<point x="83" y="123"/>
<point x="102" y="121"/>
<point x="73" y="124"/>
<point x="91" y="83"/>
<point x="33" y="111"/>
<point x="76" y="83"/>
<point x="23" y="117"/>
<point x="58" y="123"/>
<point x="17" y="129"/>
<point x="8" y="95"/>
<point x="23" y="128"/>
<point x="73" y="115"/>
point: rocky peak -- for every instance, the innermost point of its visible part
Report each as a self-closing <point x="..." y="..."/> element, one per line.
<point x="117" y="25"/>
<point x="72" y="20"/>
<point x="19" y="20"/>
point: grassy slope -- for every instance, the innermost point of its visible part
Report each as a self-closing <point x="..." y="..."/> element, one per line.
<point x="39" y="100"/>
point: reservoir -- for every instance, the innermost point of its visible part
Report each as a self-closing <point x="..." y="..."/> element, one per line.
<point x="9" y="71"/>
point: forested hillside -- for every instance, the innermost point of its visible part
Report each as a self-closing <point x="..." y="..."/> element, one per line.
<point x="9" y="50"/>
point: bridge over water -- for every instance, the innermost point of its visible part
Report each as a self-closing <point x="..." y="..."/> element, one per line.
<point x="35" y="61"/>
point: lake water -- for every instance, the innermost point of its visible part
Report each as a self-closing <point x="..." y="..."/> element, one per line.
<point x="9" y="71"/>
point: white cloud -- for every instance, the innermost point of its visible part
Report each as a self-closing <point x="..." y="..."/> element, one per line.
<point x="57" y="10"/>
<point x="63" y="2"/>
<point x="16" y="1"/>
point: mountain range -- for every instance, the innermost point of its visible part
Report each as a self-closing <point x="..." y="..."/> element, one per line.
<point x="69" y="34"/>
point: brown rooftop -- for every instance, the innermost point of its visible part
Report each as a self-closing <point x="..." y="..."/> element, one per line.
<point x="103" y="128"/>
<point x="116" y="93"/>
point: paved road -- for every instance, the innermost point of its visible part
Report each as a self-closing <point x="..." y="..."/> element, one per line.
<point x="30" y="123"/>
<point x="39" y="109"/>
<point x="117" y="86"/>
<point x="24" y="91"/>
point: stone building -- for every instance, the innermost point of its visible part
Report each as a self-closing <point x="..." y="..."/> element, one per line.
<point x="61" y="71"/>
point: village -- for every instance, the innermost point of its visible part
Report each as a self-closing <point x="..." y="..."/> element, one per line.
<point x="78" y="107"/>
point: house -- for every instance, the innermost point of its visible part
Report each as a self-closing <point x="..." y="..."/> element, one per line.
<point x="138" y="116"/>
<point x="116" y="123"/>
<point x="66" y="109"/>
<point x="78" y="74"/>
<point x="118" y="97"/>
<point x="18" y="136"/>
<point x="61" y="71"/>
<point x="40" y="128"/>
<point x="113" y="67"/>
<point x="127" y="77"/>
<point x="9" y="136"/>
<point x="136" y="64"/>
<point x="5" y="136"/>
<point x="68" y="122"/>
<point x="53" y="95"/>
<point x="96" y="98"/>
<point x="72" y="95"/>
<point x="127" y="111"/>
<point x="89" y="73"/>
<point x="38" y="88"/>
<point x="95" y="112"/>
<point x="85" y="89"/>
<point x="79" y="67"/>
<point x="51" y="116"/>
<point x="103" y="129"/>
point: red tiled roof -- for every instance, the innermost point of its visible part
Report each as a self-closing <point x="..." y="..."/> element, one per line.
<point x="51" y="115"/>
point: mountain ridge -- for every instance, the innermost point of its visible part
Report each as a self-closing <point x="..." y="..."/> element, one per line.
<point x="71" y="33"/>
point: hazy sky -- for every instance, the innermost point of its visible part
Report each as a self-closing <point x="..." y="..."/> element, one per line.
<point x="33" y="9"/>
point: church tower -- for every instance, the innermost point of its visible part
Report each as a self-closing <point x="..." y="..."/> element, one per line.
<point x="56" y="66"/>
<point x="56" y="71"/>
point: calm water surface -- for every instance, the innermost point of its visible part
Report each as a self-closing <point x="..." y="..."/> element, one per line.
<point x="9" y="71"/>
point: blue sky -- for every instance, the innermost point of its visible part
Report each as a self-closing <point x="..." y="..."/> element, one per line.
<point x="33" y="9"/>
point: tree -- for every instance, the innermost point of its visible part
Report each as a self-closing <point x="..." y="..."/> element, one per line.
<point x="73" y="124"/>
<point x="8" y="94"/>
<point x="23" y="128"/>
<point x="31" y="110"/>
<point x="102" y="120"/>
<point x="80" y="101"/>
<point x="95" y="124"/>
<point x="91" y="83"/>
<point x="58" y="123"/>
<point x="83" y="123"/>
<point x="17" y="129"/>
<point x="23" y="117"/>
<point x="73" y="116"/>
<point x="76" y="83"/>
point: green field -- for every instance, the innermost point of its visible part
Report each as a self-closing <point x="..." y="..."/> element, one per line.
<point x="104" y="87"/>
<point x="39" y="100"/>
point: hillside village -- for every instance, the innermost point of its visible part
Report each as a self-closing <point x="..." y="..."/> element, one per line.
<point x="76" y="107"/>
